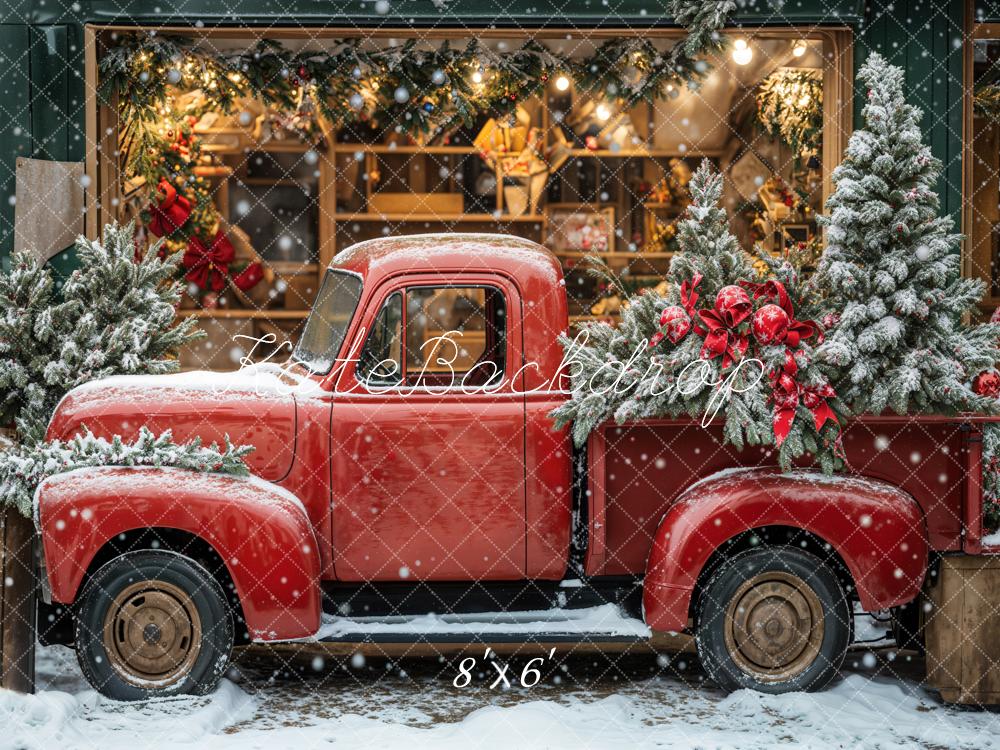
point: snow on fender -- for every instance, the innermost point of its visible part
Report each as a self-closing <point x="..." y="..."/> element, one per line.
<point x="877" y="530"/>
<point x="260" y="531"/>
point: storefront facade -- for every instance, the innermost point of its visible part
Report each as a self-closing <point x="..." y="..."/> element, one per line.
<point x="52" y="54"/>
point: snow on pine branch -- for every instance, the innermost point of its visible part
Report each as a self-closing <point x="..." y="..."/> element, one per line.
<point x="115" y="315"/>
<point x="24" y="467"/>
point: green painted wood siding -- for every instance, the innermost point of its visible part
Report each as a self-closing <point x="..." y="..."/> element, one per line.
<point x="15" y="121"/>
<point x="925" y="37"/>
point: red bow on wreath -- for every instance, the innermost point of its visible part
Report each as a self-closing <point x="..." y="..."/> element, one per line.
<point x="787" y="394"/>
<point x="719" y="326"/>
<point x="171" y="212"/>
<point x="208" y="266"/>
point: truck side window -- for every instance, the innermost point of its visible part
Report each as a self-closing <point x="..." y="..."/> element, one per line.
<point x="455" y="335"/>
<point x="381" y="360"/>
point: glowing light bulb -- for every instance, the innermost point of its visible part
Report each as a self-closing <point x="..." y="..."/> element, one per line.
<point x="742" y="53"/>
<point x="477" y="76"/>
<point x="799" y="49"/>
<point x="603" y="112"/>
<point x="562" y="83"/>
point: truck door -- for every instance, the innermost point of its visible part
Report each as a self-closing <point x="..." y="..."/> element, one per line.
<point x="428" y="437"/>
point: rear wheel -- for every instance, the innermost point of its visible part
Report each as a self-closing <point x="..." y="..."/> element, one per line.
<point x="153" y="623"/>
<point x="774" y="620"/>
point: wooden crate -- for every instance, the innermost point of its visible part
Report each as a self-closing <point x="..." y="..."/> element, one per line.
<point x="17" y="601"/>
<point x="963" y="630"/>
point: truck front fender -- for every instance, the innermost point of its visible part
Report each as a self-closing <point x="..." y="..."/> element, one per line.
<point x="260" y="531"/>
<point x="877" y="530"/>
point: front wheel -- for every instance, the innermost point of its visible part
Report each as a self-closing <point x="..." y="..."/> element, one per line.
<point x="774" y="620"/>
<point x="153" y="623"/>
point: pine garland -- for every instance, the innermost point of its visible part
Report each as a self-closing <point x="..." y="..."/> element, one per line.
<point x="23" y="467"/>
<point x="416" y="89"/>
<point x="986" y="101"/>
<point x="115" y="315"/>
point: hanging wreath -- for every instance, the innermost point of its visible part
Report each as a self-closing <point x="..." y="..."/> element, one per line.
<point x="790" y="109"/>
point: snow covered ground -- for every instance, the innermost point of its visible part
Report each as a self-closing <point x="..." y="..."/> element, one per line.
<point x="582" y="701"/>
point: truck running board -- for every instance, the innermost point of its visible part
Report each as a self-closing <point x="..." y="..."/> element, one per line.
<point x="602" y="624"/>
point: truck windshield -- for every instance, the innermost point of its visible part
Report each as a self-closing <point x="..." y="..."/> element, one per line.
<point x="327" y="323"/>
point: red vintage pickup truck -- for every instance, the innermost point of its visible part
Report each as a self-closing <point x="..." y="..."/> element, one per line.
<point x="405" y="464"/>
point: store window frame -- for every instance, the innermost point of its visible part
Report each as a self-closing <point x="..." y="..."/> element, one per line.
<point x="101" y="121"/>
<point x="975" y="32"/>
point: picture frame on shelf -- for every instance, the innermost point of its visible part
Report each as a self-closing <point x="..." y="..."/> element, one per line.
<point x="793" y="234"/>
<point x="580" y="228"/>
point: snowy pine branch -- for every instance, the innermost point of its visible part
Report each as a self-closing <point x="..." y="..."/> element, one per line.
<point x="24" y="467"/>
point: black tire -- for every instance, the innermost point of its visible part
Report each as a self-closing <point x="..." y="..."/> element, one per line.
<point x="186" y="635"/>
<point x="774" y="620"/>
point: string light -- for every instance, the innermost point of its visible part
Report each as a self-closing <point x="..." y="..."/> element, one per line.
<point x="477" y="76"/>
<point x="799" y="49"/>
<point x="742" y="53"/>
<point x="603" y="112"/>
<point x="562" y="83"/>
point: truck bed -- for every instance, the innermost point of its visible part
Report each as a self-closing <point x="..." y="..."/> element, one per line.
<point x="637" y="470"/>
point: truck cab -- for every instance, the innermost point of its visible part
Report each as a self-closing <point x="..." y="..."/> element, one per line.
<point x="405" y="465"/>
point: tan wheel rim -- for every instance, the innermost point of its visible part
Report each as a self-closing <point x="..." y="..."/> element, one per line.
<point x="152" y="634"/>
<point x="774" y="626"/>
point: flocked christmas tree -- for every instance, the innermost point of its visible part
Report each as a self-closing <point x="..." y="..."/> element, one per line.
<point x="114" y="315"/>
<point x="705" y="349"/>
<point x="891" y="271"/>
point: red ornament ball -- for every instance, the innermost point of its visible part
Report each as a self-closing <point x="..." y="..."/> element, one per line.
<point x="675" y="323"/>
<point x="770" y="324"/>
<point x="732" y="303"/>
<point x="987" y="384"/>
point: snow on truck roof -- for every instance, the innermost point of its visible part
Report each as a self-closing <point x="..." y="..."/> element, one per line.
<point x="386" y="256"/>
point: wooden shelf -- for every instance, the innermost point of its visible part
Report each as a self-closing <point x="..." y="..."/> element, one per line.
<point x="586" y="318"/>
<point x="234" y="313"/>
<point x="278" y="182"/>
<point x="214" y="170"/>
<point x="384" y="148"/>
<point x="443" y="218"/>
<point x="637" y="153"/>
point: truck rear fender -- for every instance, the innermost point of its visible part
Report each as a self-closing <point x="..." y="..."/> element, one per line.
<point x="259" y="531"/>
<point x="875" y="529"/>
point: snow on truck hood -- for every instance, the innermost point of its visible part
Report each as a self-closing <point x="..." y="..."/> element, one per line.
<point x="252" y="406"/>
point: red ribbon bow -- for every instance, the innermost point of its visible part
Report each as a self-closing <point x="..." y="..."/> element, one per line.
<point x="208" y="266"/>
<point x="788" y="393"/>
<point x="720" y="339"/>
<point x="689" y="294"/>
<point x="171" y="212"/>
<point x="720" y="326"/>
